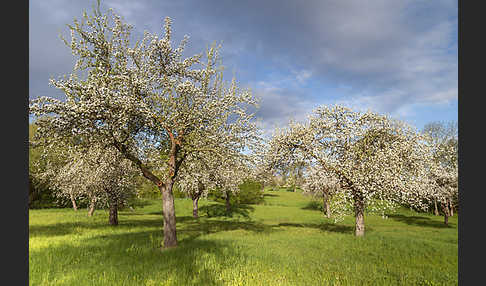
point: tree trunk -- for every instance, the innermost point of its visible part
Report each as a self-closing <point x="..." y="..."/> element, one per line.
<point x="445" y="210"/>
<point x="168" y="209"/>
<point x="328" y="209"/>
<point x="113" y="219"/>
<point x="228" y="205"/>
<point x="91" y="207"/>
<point x="448" y="208"/>
<point x="73" y="201"/>
<point x="436" y="210"/>
<point x="195" y="201"/>
<point x="451" y="207"/>
<point x="359" y="215"/>
<point x="326" y="206"/>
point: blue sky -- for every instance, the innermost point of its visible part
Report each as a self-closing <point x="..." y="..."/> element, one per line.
<point x="392" y="57"/>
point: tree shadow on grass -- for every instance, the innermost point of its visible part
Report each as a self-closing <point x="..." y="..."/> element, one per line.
<point x="269" y="195"/>
<point x="63" y="228"/>
<point x="185" y="224"/>
<point x="325" y="226"/>
<point x="189" y="228"/>
<point x="219" y="210"/>
<point x="196" y="260"/>
<point x="313" y="205"/>
<point x="136" y="257"/>
<point x="204" y="226"/>
<point x="419" y="221"/>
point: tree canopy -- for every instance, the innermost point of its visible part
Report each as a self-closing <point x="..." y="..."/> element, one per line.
<point x="145" y="99"/>
<point x="377" y="160"/>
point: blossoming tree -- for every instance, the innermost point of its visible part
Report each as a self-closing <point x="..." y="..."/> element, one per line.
<point x="228" y="175"/>
<point x="194" y="180"/>
<point x="323" y="185"/>
<point x="102" y="176"/>
<point x="142" y="97"/>
<point x="442" y="137"/>
<point x="377" y="160"/>
<point x="444" y="176"/>
<point x="202" y="173"/>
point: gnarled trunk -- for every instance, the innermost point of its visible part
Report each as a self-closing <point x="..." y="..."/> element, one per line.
<point x="91" y="207"/>
<point x="359" y="207"/>
<point x="445" y="210"/>
<point x="451" y="207"/>
<point x="326" y="206"/>
<point x="436" y="210"/>
<point x="195" y="201"/>
<point x="168" y="209"/>
<point x="113" y="219"/>
<point x="73" y="201"/>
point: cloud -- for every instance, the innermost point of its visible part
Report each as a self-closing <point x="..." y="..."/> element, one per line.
<point x="302" y="76"/>
<point x="280" y="105"/>
<point x="389" y="55"/>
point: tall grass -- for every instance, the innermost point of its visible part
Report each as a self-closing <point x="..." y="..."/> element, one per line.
<point x="282" y="241"/>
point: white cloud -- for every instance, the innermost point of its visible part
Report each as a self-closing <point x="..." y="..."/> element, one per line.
<point x="278" y="106"/>
<point x="389" y="55"/>
<point x="131" y="11"/>
<point x="302" y="76"/>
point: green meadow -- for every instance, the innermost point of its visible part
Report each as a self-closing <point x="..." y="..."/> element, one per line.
<point x="285" y="240"/>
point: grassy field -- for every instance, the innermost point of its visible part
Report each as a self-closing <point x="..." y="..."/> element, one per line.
<point x="284" y="241"/>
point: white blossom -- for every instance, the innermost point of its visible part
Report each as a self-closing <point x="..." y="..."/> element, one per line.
<point x="145" y="100"/>
<point x="378" y="161"/>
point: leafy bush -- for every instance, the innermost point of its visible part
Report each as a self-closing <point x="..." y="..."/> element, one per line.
<point x="178" y="193"/>
<point x="218" y="195"/>
<point x="40" y="195"/>
<point x="148" y="190"/>
<point x="219" y="210"/>
<point x="250" y="193"/>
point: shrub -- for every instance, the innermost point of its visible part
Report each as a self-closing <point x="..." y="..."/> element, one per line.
<point x="250" y="193"/>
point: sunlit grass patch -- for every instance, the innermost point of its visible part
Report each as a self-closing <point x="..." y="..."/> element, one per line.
<point x="279" y="242"/>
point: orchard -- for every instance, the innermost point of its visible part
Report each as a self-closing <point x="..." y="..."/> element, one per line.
<point x="141" y="117"/>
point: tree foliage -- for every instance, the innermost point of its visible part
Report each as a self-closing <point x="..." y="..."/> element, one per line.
<point x="43" y="161"/>
<point x="146" y="100"/>
<point x="101" y="176"/>
<point x="442" y="137"/>
<point x="324" y="185"/>
<point x="378" y="161"/>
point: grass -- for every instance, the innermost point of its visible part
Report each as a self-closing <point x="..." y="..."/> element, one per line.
<point x="280" y="242"/>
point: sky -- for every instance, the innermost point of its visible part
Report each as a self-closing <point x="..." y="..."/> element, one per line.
<point x="392" y="57"/>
